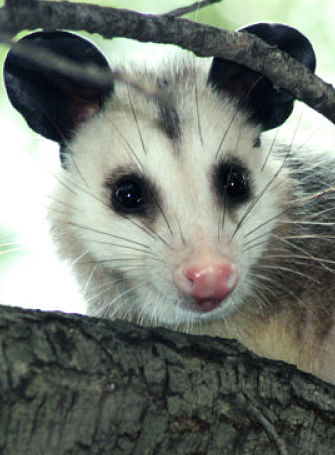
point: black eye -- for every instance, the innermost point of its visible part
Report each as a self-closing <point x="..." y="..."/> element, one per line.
<point x="236" y="184"/>
<point x="232" y="183"/>
<point x="128" y="195"/>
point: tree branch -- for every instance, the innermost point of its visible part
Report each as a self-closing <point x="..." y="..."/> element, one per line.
<point x="72" y="384"/>
<point x="191" y="8"/>
<point x="203" y="40"/>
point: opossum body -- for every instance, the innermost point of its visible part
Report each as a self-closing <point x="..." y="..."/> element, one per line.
<point x="168" y="207"/>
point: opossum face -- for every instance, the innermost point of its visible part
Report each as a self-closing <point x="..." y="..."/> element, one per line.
<point x="165" y="187"/>
<point x="163" y="216"/>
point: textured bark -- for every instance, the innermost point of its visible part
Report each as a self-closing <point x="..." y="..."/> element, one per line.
<point x="203" y="40"/>
<point x="77" y="385"/>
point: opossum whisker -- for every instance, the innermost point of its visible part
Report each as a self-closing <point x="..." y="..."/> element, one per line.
<point x="142" y="167"/>
<point x="74" y="162"/>
<point x="117" y="303"/>
<point x="101" y="291"/>
<point x="163" y="214"/>
<point x="231" y="121"/>
<point x="189" y="323"/>
<point x="136" y="120"/>
<point x="127" y="146"/>
<point x="99" y="231"/>
<point x="73" y="187"/>
<point x="149" y="256"/>
<point x="79" y="258"/>
<point x="266" y="187"/>
<point x="270" y="287"/>
<point x="287" y="221"/>
<point x="197" y="111"/>
<point x="302" y="250"/>
<point x="252" y="205"/>
<point x="146" y="250"/>
<point x="274" y="140"/>
<point x="250" y="244"/>
<point x="225" y="195"/>
<point x="153" y="315"/>
<point x="262" y="289"/>
<point x="128" y="247"/>
<point x="223" y="213"/>
<point x="123" y="258"/>
<point x="321" y="212"/>
<point x="261" y="299"/>
<point x="111" y="261"/>
<point x="148" y="230"/>
<point x="320" y="261"/>
<point x="63" y="203"/>
<point x="109" y="285"/>
<point x="61" y="181"/>
<point x="224" y="206"/>
<point x="311" y="223"/>
<point x="274" y="284"/>
<point x="104" y="288"/>
<point x="89" y="279"/>
<point x="277" y="268"/>
<point x="227" y="130"/>
<point x="181" y="232"/>
<point x="310" y="236"/>
<point x="286" y="258"/>
<point x="260" y="236"/>
<point x="261" y="225"/>
<point x="310" y="197"/>
<point x="254" y="245"/>
<point x="237" y="109"/>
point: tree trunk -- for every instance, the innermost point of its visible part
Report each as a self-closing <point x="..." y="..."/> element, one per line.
<point x="77" y="386"/>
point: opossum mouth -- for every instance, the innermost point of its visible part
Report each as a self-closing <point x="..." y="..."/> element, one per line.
<point x="205" y="305"/>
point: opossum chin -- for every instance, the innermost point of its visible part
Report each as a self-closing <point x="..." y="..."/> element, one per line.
<point x="205" y="305"/>
<point x="185" y="311"/>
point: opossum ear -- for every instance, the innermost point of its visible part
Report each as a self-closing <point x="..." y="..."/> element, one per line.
<point x="267" y="105"/>
<point x="53" y="98"/>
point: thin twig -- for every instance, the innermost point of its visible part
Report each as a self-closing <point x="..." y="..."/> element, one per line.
<point x="191" y="8"/>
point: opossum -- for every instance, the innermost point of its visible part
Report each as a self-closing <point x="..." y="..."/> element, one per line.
<point x="169" y="208"/>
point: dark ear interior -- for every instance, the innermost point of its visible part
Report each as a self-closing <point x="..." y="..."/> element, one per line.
<point x="267" y="105"/>
<point x="54" y="103"/>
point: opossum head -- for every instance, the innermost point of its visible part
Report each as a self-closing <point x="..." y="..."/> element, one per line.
<point x="165" y="199"/>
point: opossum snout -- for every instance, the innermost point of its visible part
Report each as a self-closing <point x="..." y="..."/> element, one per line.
<point x="207" y="282"/>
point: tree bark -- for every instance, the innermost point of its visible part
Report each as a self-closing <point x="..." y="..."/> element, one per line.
<point x="82" y="386"/>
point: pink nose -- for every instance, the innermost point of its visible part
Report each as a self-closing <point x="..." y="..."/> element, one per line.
<point x="211" y="281"/>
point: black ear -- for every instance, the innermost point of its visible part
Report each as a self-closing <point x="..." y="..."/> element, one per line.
<point x="267" y="105"/>
<point x="53" y="103"/>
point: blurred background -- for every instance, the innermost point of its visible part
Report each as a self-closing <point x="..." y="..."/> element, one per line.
<point x="30" y="274"/>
